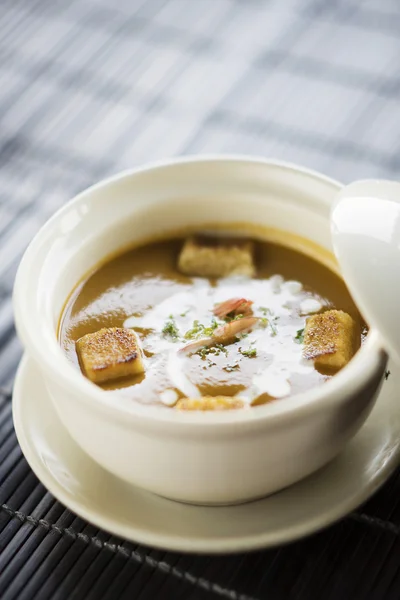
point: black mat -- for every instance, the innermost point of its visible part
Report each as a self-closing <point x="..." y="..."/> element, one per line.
<point x="89" y="87"/>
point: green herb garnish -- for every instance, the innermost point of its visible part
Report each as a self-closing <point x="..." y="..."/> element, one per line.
<point x="199" y="330"/>
<point x="273" y="327"/>
<point x="170" y="329"/>
<point x="299" y="338"/>
<point x="221" y="348"/>
<point x="195" y="331"/>
<point x="387" y="373"/>
<point x="216" y="350"/>
<point x="212" y="327"/>
<point x="250" y="353"/>
<point x="264" y="322"/>
<point x="203" y="352"/>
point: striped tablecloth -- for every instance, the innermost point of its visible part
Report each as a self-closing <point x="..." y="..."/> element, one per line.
<point x="89" y="87"/>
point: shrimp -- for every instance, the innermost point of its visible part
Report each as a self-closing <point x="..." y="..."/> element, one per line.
<point x="224" y="334"/>
<point x="236" y="306"/>
<point x="197" y="345"/>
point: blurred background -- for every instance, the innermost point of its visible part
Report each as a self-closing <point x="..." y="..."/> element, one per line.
<point x="89" y="87"/>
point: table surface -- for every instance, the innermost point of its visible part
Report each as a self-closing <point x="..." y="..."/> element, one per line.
<point x="89" y="87"/>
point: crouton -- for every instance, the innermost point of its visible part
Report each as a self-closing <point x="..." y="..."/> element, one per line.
<point x="217" y="257"/>
<point x="209" y="403"/>
<point x="110" y="353"/>
<point x="330" y="339"/>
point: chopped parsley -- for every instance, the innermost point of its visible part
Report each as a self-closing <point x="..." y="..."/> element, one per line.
<point x="221" y="348"/>
<point x="170" y="329"/>
<point x="299" y="338"/>
<point x="250" y="353"/>
<point x="194" y="332"/>
<point x="212" y="327"/>
<point x="203" y="352"/>
<point x="264" y="322"/>
<point x="272" y="324"/>
<point x="216" y="350"/>
<point x="387" y="373"/>
<point x="200" y="330"/>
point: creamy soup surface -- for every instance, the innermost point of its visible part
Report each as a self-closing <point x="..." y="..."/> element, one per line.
<point x="143" y="289"/>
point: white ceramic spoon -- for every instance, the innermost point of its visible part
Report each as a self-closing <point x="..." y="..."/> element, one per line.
<point x="365" y="224"/>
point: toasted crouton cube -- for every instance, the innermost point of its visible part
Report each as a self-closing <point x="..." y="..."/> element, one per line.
<point x="209" y="403"/>
<point x="110" y="353"/>
<point x="217" y="257"/>
<point x="330" y="339"/>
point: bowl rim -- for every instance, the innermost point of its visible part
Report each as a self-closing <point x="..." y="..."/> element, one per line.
<point x="369" y="360"/>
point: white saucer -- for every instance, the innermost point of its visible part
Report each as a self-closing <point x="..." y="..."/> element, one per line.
<point x="107" y="502"/>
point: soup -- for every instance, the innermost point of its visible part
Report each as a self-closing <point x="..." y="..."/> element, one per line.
<point x="210" y="323"/>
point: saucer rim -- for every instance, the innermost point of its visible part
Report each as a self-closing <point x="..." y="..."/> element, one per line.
<point x="135" y="534"/>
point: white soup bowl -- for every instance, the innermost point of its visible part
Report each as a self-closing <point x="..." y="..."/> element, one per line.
<point x="207" y="458"/>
